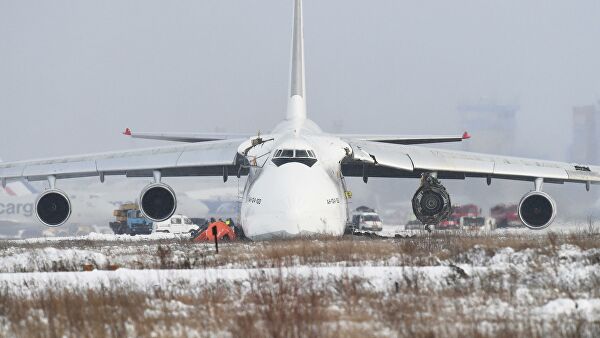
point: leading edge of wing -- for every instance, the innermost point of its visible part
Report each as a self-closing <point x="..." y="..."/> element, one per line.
<point x="183" y="137"/>
<point x="407" y="139"/>
<point x="137" y="162"/>
<point x="411" y="160"/>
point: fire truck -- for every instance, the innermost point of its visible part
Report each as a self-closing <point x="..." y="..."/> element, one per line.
<point x="465" y="217"/>
<point x="506" y="216"/>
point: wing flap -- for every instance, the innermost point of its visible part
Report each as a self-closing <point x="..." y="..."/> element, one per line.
<point x="585" y="176"/>
<point x="207" y="156"/>
<point x="138" y="162"/>
<point x="433" y="159"/>
<point x="530" y="169"/>
<point x="84" y="168"/>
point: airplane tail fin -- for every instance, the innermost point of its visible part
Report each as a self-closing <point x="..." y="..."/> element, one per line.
<point x="297" y="100"/>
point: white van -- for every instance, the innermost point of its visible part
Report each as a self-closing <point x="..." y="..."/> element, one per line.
<point x="177" y="224"/>
<point x="366" y="219"/>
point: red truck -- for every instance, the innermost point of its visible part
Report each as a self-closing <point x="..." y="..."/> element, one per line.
<point x="506" y="216"/>
<point x="466" y="216"/>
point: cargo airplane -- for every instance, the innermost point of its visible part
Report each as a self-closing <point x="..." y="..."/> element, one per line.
<point x="296" y="173"/>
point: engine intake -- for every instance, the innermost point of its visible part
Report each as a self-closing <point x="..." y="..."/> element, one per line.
<point x="158" y="202"/>
<point x="537" y="210"/>
<point x="431" y="203"/>
<point x="53" y="207"/>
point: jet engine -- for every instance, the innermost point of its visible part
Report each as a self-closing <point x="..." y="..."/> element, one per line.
<point x="537" y="210"/>
<point x="158" y="202"/>
<point x="431" y="203"/>
<point x="53" y="207"/>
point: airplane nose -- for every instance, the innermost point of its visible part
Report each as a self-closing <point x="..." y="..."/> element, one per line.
<point x="292" y="200"/>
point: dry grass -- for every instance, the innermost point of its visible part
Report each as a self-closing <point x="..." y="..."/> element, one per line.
<point x="277" y="307"/>
<point x="291" y="306"/>
<point x="427" y="250"/>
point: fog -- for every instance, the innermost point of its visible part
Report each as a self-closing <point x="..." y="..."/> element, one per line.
<point x="74" y="74"/>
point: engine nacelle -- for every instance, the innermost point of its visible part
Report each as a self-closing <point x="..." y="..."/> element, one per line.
<point x="53" y="207"/>
<point x="431" y="203"/>
<point x="158" y="202"/>
<point x="537" y="210"/>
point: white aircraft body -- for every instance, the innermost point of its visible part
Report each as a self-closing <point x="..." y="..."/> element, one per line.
<point x="295" y="174"/>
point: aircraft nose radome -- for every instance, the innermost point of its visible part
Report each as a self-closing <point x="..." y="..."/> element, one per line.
<point x="290" y="206"/>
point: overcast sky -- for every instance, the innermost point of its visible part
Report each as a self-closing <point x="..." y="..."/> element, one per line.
<point x="73" y="74"/>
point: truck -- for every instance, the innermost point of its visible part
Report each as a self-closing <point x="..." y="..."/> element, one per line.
<point x="129" y="220"/>
<point x="506" y="216"/>
<point x="466" y="216"/>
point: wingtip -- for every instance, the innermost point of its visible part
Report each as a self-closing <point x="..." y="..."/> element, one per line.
<point x="466" y="135"/>
<point x="127" y="132"/>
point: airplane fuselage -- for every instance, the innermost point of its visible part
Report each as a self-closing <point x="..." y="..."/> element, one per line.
<point x="296" y="187"/>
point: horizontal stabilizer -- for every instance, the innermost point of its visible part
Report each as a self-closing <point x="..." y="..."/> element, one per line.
<point x="408" y="139"/>
<point x="184" y="137"/>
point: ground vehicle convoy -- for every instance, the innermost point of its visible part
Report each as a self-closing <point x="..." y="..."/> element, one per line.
<point x="130" y="221"/>
<point x="177" y="224"/>
<point x="366" y="219"/>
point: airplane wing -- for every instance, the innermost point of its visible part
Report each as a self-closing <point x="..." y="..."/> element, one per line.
<point x="184" y="137"/>
<point x="408" y="139"/>
<point x="198" y="159"/>
<point x="373" y="159"/>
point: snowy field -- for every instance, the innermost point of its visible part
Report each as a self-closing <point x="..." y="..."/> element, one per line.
<point x="510" y="283"/>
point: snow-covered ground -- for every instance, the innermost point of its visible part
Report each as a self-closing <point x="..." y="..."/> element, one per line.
<point x="391" y="230"/>
<point x="543" y="285"/>
<point x="101" y="237"/>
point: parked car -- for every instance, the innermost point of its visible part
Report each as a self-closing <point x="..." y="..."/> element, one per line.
<point x="177" y="224"/>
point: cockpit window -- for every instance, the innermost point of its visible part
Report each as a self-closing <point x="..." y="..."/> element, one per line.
<point x="304" y="156"/>
<point x="287" y="153"/>
<point x="301" y="153"/>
